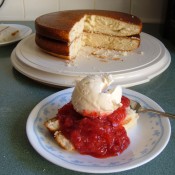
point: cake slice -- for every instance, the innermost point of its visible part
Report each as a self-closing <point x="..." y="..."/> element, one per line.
<point x="53" y="126"/>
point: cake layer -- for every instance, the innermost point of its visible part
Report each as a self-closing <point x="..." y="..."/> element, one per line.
<point x="131" y="119"/>
<point x="68" y="25"/>
<point x="70" y="50"/>
<point x="118" y="43"/>
<point x="58" y="48"/>
<point x="110" y="26"/>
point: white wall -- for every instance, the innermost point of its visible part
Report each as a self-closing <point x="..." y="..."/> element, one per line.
<point x="25" y="10"/>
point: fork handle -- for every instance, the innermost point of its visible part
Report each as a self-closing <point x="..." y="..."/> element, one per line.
<point x="158" y="112"/>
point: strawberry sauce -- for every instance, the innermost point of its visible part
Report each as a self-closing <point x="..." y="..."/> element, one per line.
<point x="99" y="137"/>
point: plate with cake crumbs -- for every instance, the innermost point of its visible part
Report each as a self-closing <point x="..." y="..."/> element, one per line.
<point x="127" y="68"/>
<point x="11" y="33"/>
<point x="148" y="138"/>
<point x="93" y="61"/>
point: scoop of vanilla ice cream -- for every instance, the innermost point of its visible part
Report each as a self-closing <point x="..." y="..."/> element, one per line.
<point x="92" y="96"/>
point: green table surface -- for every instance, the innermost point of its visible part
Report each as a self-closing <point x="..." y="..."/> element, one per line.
<point x="19" y="95"/>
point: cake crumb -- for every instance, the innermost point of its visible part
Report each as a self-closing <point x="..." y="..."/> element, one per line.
<point x="106" y="55"/>
<point x="124" y="53"/>
<point x="71" y="63"/>
<point x="140" y="52"/>
<point x="104" y="61"/>
<point x="14" y="33"/>
<point x="117" y="59"/>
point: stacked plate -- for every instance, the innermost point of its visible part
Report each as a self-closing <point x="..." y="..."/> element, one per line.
<point x="127" y="69"/>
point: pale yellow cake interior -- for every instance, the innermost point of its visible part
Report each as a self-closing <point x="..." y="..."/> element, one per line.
<point x="102" y="32"/>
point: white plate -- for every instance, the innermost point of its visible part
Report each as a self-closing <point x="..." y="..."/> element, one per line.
<point x="126" y="79"/>
<point x="41" y="76"/>
<point x="24" y="31"/>
<point x="148" y="138"/>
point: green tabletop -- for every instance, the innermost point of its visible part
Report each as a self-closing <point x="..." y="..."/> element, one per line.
<point x="19" y="95"/>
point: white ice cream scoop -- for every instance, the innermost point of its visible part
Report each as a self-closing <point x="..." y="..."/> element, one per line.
<point x="92" y="96"/>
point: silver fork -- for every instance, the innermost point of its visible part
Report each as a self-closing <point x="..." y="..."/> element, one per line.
<point x="139" y="109"/>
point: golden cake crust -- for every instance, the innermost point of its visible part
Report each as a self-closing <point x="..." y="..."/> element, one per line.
<point x="57" y="25"/>
<point x="53" y="47"/>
